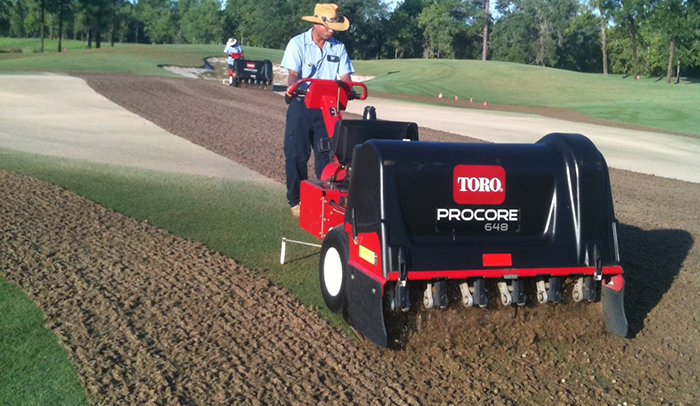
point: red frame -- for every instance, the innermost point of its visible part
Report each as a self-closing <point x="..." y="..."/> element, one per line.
<point x="321" y="207"/>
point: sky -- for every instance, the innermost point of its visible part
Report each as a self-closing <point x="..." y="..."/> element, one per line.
<point x="393" y="3"/>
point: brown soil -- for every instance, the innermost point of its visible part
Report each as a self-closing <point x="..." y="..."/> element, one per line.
<point x="149" y="318"/>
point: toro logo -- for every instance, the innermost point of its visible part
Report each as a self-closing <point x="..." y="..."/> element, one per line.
<point x="479" y="184"/>
<point x="250" y="65"/>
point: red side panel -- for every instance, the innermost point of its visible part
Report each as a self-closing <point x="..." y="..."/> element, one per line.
<point x="319" y="208"/>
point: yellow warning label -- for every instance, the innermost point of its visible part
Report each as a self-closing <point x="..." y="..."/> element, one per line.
<point x="368" y="255"/>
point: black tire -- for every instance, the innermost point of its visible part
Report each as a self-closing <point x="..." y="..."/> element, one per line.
<point x="333" y="269"/>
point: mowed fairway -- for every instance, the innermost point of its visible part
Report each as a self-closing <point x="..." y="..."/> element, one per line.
<point x="649" y="101"/>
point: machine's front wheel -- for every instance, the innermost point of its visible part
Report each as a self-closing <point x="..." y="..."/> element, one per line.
<point x="231" y="80"/>
<point x="333" y="269"/>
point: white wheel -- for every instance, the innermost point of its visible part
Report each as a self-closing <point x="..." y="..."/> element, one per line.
<point x="230" y="80"/>
<point x="333" y="269"/>
<point x="332" y="272"/>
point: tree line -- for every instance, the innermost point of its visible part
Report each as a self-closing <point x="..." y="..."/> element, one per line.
<point x="635" y="37"/>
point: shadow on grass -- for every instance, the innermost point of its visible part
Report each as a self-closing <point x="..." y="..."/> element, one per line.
<point x="301" y="257"/>
<point x="651" y="260"/>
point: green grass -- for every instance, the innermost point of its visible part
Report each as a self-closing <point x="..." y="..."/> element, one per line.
<point x="649" y="102"/>
<point x="133" y="58"/>
<point x="34" y="369"/>
<point x="33" y="45"/>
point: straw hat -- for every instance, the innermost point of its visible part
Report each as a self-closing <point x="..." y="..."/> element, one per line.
<point x="327" y="14"/>
<point x="231" y="42"/>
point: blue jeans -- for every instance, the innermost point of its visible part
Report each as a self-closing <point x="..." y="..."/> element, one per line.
<point x="305" y="131"/>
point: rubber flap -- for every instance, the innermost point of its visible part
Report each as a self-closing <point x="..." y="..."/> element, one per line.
<point x="364" y="307"/>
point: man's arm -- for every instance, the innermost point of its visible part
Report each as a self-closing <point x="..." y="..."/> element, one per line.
<point x="345" y="66"/>
<point x="291" y="80"/>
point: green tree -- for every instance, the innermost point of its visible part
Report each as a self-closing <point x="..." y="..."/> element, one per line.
<point x="533" y="31"/>
<point x="513" y="35"/>
<point x="93" y="17"/>
<point x="673" y="31"/>
<point x="630" y="15"/>
<point x="5" y="16"/>
<point x="402" y="28"/>
<point x="17" y="13"/>
<point x="202" y="23"/>
<point x="232" y="18"/>
<point x="486" y="22"/>
<point x="32" y="19"/>
<point x="266" y="23"/>
<point x="597" y="12"/>
<point x="158" y="20"/>
<point x="585" y="45"/>
<point x="368" y="35"/>
<point x="118" y="17"/>
<point x="439" y="28"/>
<point x="62" y="6"/>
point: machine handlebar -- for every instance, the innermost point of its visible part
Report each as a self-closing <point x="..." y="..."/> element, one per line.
<point x="345" y="86"/>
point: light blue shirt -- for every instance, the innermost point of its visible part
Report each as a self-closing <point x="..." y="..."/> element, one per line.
<point x="306" y="58"/>
<point x="235" y="49"/>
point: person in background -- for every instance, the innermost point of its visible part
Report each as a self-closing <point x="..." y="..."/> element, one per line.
<point x="311" y="54"/>
<point x="234" y="51"/>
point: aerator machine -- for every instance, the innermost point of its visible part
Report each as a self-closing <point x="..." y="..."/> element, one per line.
<point x="251" y="73"/>
<point x="527" y="222"/>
